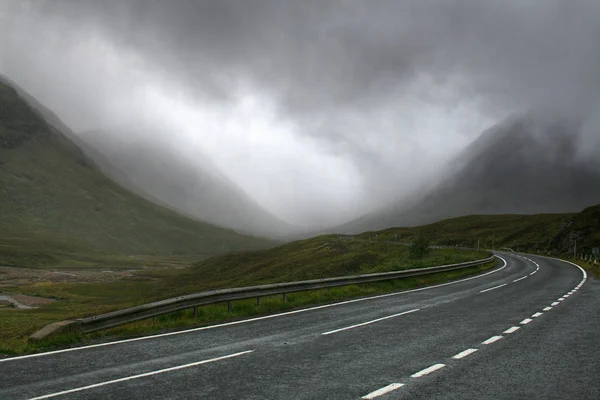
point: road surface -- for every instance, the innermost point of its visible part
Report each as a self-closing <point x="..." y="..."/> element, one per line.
<point x="528" y="329"/>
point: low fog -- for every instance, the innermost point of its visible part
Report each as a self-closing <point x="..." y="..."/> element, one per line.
<point x="320" y="111"/>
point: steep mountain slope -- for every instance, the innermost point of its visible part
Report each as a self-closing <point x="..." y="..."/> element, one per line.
<point x="194" y="187"/>
<point x="526" y="166"/>
<point x="52" y="196"/>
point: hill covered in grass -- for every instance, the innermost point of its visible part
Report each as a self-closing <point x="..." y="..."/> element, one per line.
<point x="319" y="257"/>
<point x="555" y="233"/>
<point x="54" y="202"/>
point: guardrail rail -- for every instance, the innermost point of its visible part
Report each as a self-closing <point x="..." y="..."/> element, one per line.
<point x="144" y="311"/>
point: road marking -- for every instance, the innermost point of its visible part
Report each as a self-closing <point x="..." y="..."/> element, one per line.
<point x="492" y="339"/>
<point x="512" y="329"/>
<point x="520" y="279"/>
<point x="128" y="378"/>
<point x="492" y="288"/>
<point x="383" y="390"/>
<point x="526" y="321"/>
<point x="555" y="303"/>
<point x="537" y="314"/>
<point x="547" y="308"/>
<point x="533" y="273"/>
<point x="428" y="370"/>
<point x="370" y="322"/>
<point x="463" y="354"/>
<point x="160" y="335"/>
<point x="561" y="299"/>
<point x="566" y="295"/>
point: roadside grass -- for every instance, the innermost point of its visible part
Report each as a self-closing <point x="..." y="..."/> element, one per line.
<point x="17" y="344"/>
<point x="77" y="300"/>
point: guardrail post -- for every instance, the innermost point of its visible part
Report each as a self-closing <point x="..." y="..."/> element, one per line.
<point x="258" y="300"/>
<point x="196" y="312"/>
<point x="229" y="308"/>
<point x="285" y="298"/>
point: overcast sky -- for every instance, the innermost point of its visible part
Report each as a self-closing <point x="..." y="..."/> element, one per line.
<point x="320" y="110"/>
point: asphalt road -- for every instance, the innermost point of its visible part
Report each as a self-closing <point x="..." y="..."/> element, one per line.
<point x="530" y="329"/>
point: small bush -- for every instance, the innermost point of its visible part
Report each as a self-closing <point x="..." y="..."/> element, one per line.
<point x="419" y="248"/>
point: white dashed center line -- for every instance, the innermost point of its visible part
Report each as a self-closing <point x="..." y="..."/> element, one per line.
<point x="463" y="354"/>
<point x="470" y="351"/>
<point x="383" y="390"/>
<point x="512" y="329"/>
<point x="427" y="371"/>
<point x="492" y="339"/>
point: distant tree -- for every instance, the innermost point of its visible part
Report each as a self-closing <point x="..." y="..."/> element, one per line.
<point x="419" y="248"/>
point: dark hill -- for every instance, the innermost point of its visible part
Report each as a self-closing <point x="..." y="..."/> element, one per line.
<point x="52" y="197"/>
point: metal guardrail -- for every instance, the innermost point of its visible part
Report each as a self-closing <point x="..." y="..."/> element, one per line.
<point x="119" y="317"/>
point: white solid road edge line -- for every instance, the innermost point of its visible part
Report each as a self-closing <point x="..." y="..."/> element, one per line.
<point x="492" y="339"/>
<point x="428" y="370"/>
<point x="369" y="322"/>
<point x="243" y="321"/>
<point x="128" y="378"/>
<point x="512" y="329"/>
<point x="463" y="354"/>
<point x="383" y="390"/>
<point x="492" y="288"/>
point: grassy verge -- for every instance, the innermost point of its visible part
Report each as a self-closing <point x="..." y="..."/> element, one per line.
<point x="13" y="343"/>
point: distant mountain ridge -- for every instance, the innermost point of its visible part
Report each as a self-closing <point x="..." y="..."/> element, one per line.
<point x="526" y="165"/>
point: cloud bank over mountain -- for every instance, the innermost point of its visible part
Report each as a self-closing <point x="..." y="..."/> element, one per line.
<point x="320" y="110"/>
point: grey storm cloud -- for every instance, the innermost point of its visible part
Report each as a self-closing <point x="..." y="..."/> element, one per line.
<point x="315" y="56"/>
<point x="381" y="87"/>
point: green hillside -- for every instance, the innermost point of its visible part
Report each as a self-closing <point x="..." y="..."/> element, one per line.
<point x="541" y="232"/>
<point x="319" y="257"/>
<point x="55" y="204"/>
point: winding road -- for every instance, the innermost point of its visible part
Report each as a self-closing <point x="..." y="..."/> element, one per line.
<point x="528" y="329"/>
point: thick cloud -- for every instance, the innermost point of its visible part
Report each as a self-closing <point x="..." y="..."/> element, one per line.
<point x="319" y="109"/>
